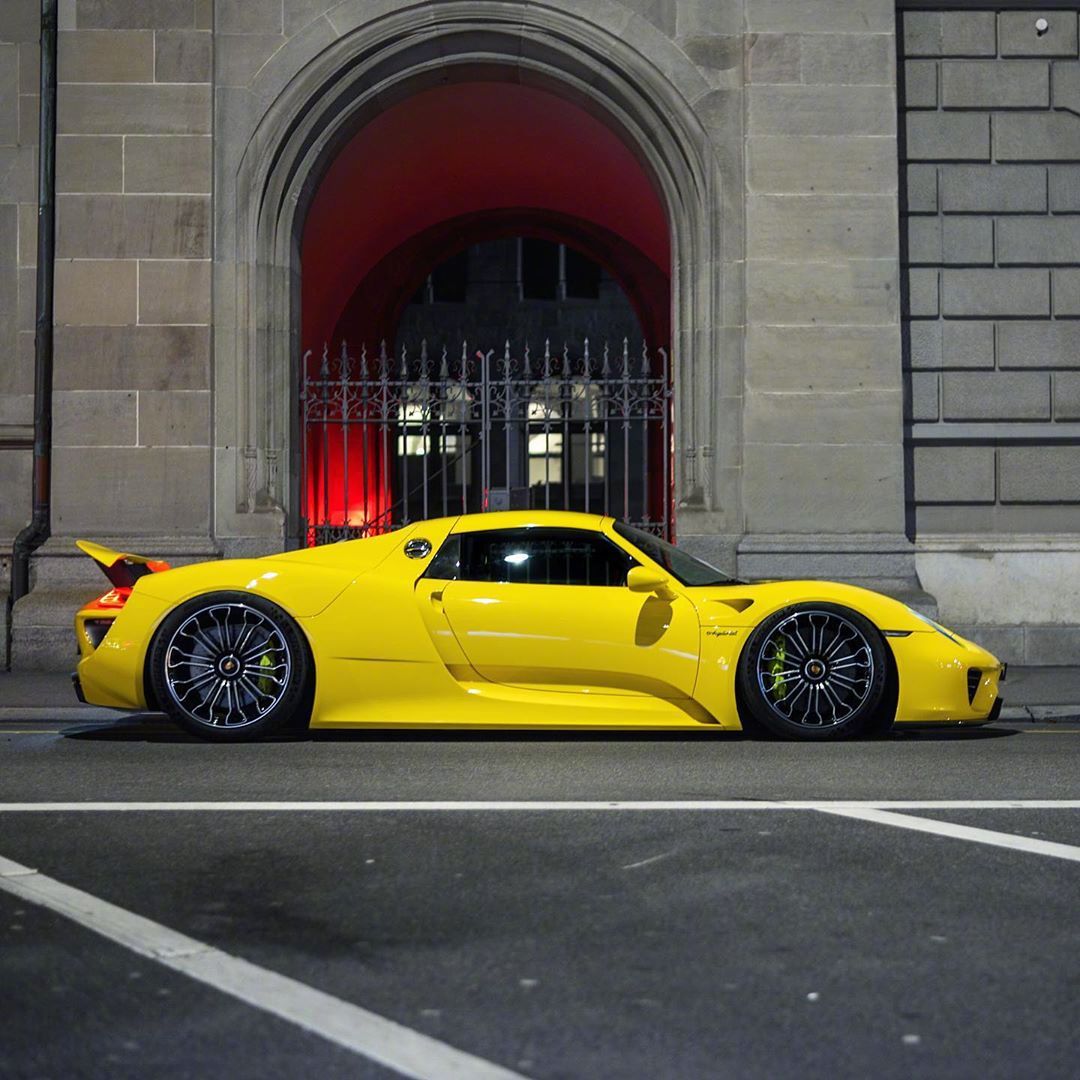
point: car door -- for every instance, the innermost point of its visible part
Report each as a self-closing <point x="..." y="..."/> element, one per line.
<point x="548" y="608"/>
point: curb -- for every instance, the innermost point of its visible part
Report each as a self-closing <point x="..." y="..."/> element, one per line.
<point x="42" y="714"/>
<point x="1048" y="714"/>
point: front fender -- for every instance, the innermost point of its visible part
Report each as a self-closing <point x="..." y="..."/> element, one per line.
<point x="730" y="613"/>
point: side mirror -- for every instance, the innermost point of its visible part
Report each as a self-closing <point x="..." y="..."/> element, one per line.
<point x="642" y="579"/>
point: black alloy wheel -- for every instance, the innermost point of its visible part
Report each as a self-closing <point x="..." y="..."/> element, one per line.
<point x="814" y="671"/>
<point x="231" y="667"/>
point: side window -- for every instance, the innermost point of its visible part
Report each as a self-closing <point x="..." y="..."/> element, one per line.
<point x="447" y="561"/>
<point x="543" y="557"/>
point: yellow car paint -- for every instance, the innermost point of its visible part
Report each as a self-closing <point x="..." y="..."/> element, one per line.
<point x="392" y="647"/>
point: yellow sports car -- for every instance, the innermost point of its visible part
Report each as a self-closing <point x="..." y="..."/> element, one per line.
<point x="523" y="618"/>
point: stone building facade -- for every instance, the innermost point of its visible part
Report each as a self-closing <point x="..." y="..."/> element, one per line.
<point x="871" y="233"/>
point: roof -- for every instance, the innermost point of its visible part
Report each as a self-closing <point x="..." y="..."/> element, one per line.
<point x="519" y="519"/>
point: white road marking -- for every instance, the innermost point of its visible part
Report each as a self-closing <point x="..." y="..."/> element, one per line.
<point x="649" y="861"/>
<point x="960" y="832"/>
<point x="547" y="805"/>
<point x="408" y="1052"/>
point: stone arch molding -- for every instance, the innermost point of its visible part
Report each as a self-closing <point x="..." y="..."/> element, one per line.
<point x="333" y="77"/>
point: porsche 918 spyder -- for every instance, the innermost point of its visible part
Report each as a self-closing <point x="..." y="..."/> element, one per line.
<point x="522" y="618"/>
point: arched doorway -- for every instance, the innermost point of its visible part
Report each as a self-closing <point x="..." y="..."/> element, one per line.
<point x="398" y="428"/>
<point x="313" y="97"/>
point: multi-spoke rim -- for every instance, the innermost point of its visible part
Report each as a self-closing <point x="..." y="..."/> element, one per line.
<point x="227" y="665"/>
<point x="815" y="669"/>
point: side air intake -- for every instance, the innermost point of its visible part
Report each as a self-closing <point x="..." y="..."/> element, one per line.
<point x="974" y="677"/>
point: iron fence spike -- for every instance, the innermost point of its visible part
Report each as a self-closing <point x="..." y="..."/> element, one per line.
<point x="458" y="433"/>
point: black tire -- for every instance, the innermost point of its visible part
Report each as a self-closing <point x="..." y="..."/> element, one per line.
<point x="231" y="667"/>
<point x="814" y="672"/>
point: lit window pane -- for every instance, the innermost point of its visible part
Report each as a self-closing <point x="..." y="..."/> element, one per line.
<point x="546" y="444"/>
<point x="591" y="463"/>
<point x="414" y="444"/>
<point x="545" y="470"/>
<point x="597" y="440"/>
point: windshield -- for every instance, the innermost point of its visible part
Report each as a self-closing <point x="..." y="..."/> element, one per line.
<point x="683" y="567"/>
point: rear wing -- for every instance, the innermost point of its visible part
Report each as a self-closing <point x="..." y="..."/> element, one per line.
<point x="120" y="567"/>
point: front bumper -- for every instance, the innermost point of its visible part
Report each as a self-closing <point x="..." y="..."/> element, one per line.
<point x="934" y="680"/>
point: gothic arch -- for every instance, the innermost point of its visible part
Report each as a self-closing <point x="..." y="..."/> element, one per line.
<point x="342" y="70"/>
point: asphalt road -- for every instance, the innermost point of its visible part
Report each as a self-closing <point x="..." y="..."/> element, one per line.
<point x="593" y="942"/>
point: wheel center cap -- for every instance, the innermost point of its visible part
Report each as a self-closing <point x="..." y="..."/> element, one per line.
<point x="815" y="669"/>
<point x="229" y="665"/>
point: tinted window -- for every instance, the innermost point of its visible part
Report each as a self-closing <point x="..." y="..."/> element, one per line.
<point x="450" y="281"/>
<point x="445" y="564"/>
<point x="682" y="566"/>
<point x="542" y="557"/>
<point x="539" y="269"/>
<point x="582" y="276"/>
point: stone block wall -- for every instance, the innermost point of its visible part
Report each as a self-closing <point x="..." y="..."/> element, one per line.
<point x="991" y="169"/>
<point x="991" y="197"/>
<point x="133" y="272"/>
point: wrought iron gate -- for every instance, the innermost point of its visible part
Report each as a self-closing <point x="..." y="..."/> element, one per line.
<point x="389" y="439"/>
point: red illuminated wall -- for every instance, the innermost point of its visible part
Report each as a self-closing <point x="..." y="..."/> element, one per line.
<point x="457" y="165"/>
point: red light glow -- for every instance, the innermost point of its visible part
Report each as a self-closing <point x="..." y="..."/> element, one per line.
<point x="446" y="168"/>
<point x="114" y="598"/>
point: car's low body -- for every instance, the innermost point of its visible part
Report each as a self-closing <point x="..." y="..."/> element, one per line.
<point x="394" y="644"/>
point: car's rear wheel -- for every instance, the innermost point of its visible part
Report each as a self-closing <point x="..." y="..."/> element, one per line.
<point x="231" y="667"/>
<point x="814" y="671"/>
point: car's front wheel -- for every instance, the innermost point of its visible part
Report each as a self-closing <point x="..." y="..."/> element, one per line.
<point x="231" y="667"/>
<point x="814" y="671"/>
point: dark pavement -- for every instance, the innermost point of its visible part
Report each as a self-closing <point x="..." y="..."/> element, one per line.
<point x="145" y="758"/>
<point x="561" y="943"/>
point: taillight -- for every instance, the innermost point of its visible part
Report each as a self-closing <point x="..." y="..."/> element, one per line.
<point x="114" y="598"/>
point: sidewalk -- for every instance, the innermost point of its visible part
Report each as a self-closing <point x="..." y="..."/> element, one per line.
<point x="1030" y="693"/>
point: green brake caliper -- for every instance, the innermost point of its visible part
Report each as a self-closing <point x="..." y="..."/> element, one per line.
<point x="266" y="685"/>
<point x="776" y="665"/>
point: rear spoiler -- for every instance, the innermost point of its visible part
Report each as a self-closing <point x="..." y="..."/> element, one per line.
<point x="120" y="567"/>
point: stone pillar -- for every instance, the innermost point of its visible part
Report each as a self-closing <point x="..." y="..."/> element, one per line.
<point x="823" y="478"/>
<point x="253" y="399"/>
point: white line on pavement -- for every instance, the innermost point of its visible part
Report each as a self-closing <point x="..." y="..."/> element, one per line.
<point x="408" y="1052"/>
<point x="390" y="806"/>
<point x="959" y="832"/>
